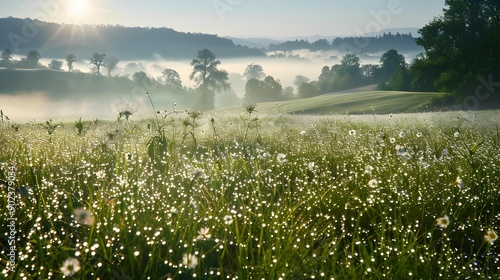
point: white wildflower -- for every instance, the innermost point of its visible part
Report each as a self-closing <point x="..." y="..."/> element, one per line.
<point x="190" y="261"/>
<point x="368" y="169"/>
<point x="203" y="234"/>
<point x="70" y="266"/>
<point x="443" y="222"/>
<point x="490" y="236"/>
<point x="281" y="158"/>
<point x="228" y="219"/>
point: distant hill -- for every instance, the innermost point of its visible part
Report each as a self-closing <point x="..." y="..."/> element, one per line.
<point x="356" y="45"/>
<point x="259" y="43"/>
<point x="57" y="40"/>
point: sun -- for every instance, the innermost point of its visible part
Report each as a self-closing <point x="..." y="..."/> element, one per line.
<point x="78" y="8"/>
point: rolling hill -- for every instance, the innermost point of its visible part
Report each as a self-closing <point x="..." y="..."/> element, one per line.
<point x="357" y="101"/>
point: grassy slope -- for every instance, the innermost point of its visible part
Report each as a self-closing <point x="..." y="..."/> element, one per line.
<point x="354" y="102"/>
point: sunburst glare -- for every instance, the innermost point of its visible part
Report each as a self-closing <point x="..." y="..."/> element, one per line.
<point x="78" y="8"/>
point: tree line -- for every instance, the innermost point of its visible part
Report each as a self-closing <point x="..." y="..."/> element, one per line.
<point x="360" y="44"/>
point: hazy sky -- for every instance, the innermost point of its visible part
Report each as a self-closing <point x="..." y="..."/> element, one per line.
<point x="247" y="18"/>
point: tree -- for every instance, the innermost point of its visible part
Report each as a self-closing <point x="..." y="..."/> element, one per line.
<point x="97" y="60"/>
<point x="111" y="63"/>
<point x="308" y="90"/>
<point x="348" y="74"/>
<point x="325" y="80"/>
<point x="70" y="60"/>
<point x="171" y="78"/>
<point x="263" y="91"/>
<point x="390" y="61"/>
<point x="208" y="78"/>
<point x="56" y="65"/>
<point x="6" y="57"/>
<point x="465" y="43"/>
<point x="254" y="71"/>
<point x="299" y="80"/>
<point x="424" y="73"/>
<point x="288" y="93"/>
<point x="370" y="73"/>
<point x="400" y="80"/>
<point x="32" y="59"/>
<point x="350" y="60"/>
<point x="141" y="78"/>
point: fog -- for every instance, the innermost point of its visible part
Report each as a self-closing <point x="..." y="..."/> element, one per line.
<point x="25" y="106"/>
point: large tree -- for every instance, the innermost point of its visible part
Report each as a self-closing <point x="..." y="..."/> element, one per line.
<point x="465" y="44"/>
<point x="208" y="78"/>
<point x="97" y="60"/>
<point x="390" y="61"/>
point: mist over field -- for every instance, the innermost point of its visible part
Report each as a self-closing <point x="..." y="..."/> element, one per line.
<point x="41" y="105"/>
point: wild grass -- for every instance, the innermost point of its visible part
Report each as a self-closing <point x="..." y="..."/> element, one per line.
<point x="255" y="197"/>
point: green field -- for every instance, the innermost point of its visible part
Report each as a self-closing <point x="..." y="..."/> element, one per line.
<point x="255" y="196"/>
<point x="352" y="102"/>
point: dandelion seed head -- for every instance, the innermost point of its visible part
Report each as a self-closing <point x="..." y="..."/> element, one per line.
<point x="373" y="183"/>
<point x="197" y="172"/>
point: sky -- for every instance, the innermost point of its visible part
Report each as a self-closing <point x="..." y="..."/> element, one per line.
<point x="239" y="18"/>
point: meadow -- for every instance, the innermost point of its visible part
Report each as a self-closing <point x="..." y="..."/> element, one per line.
<point x="248" y="195"/>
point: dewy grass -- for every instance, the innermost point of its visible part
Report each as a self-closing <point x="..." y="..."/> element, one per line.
<point x="339" y="197"/>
